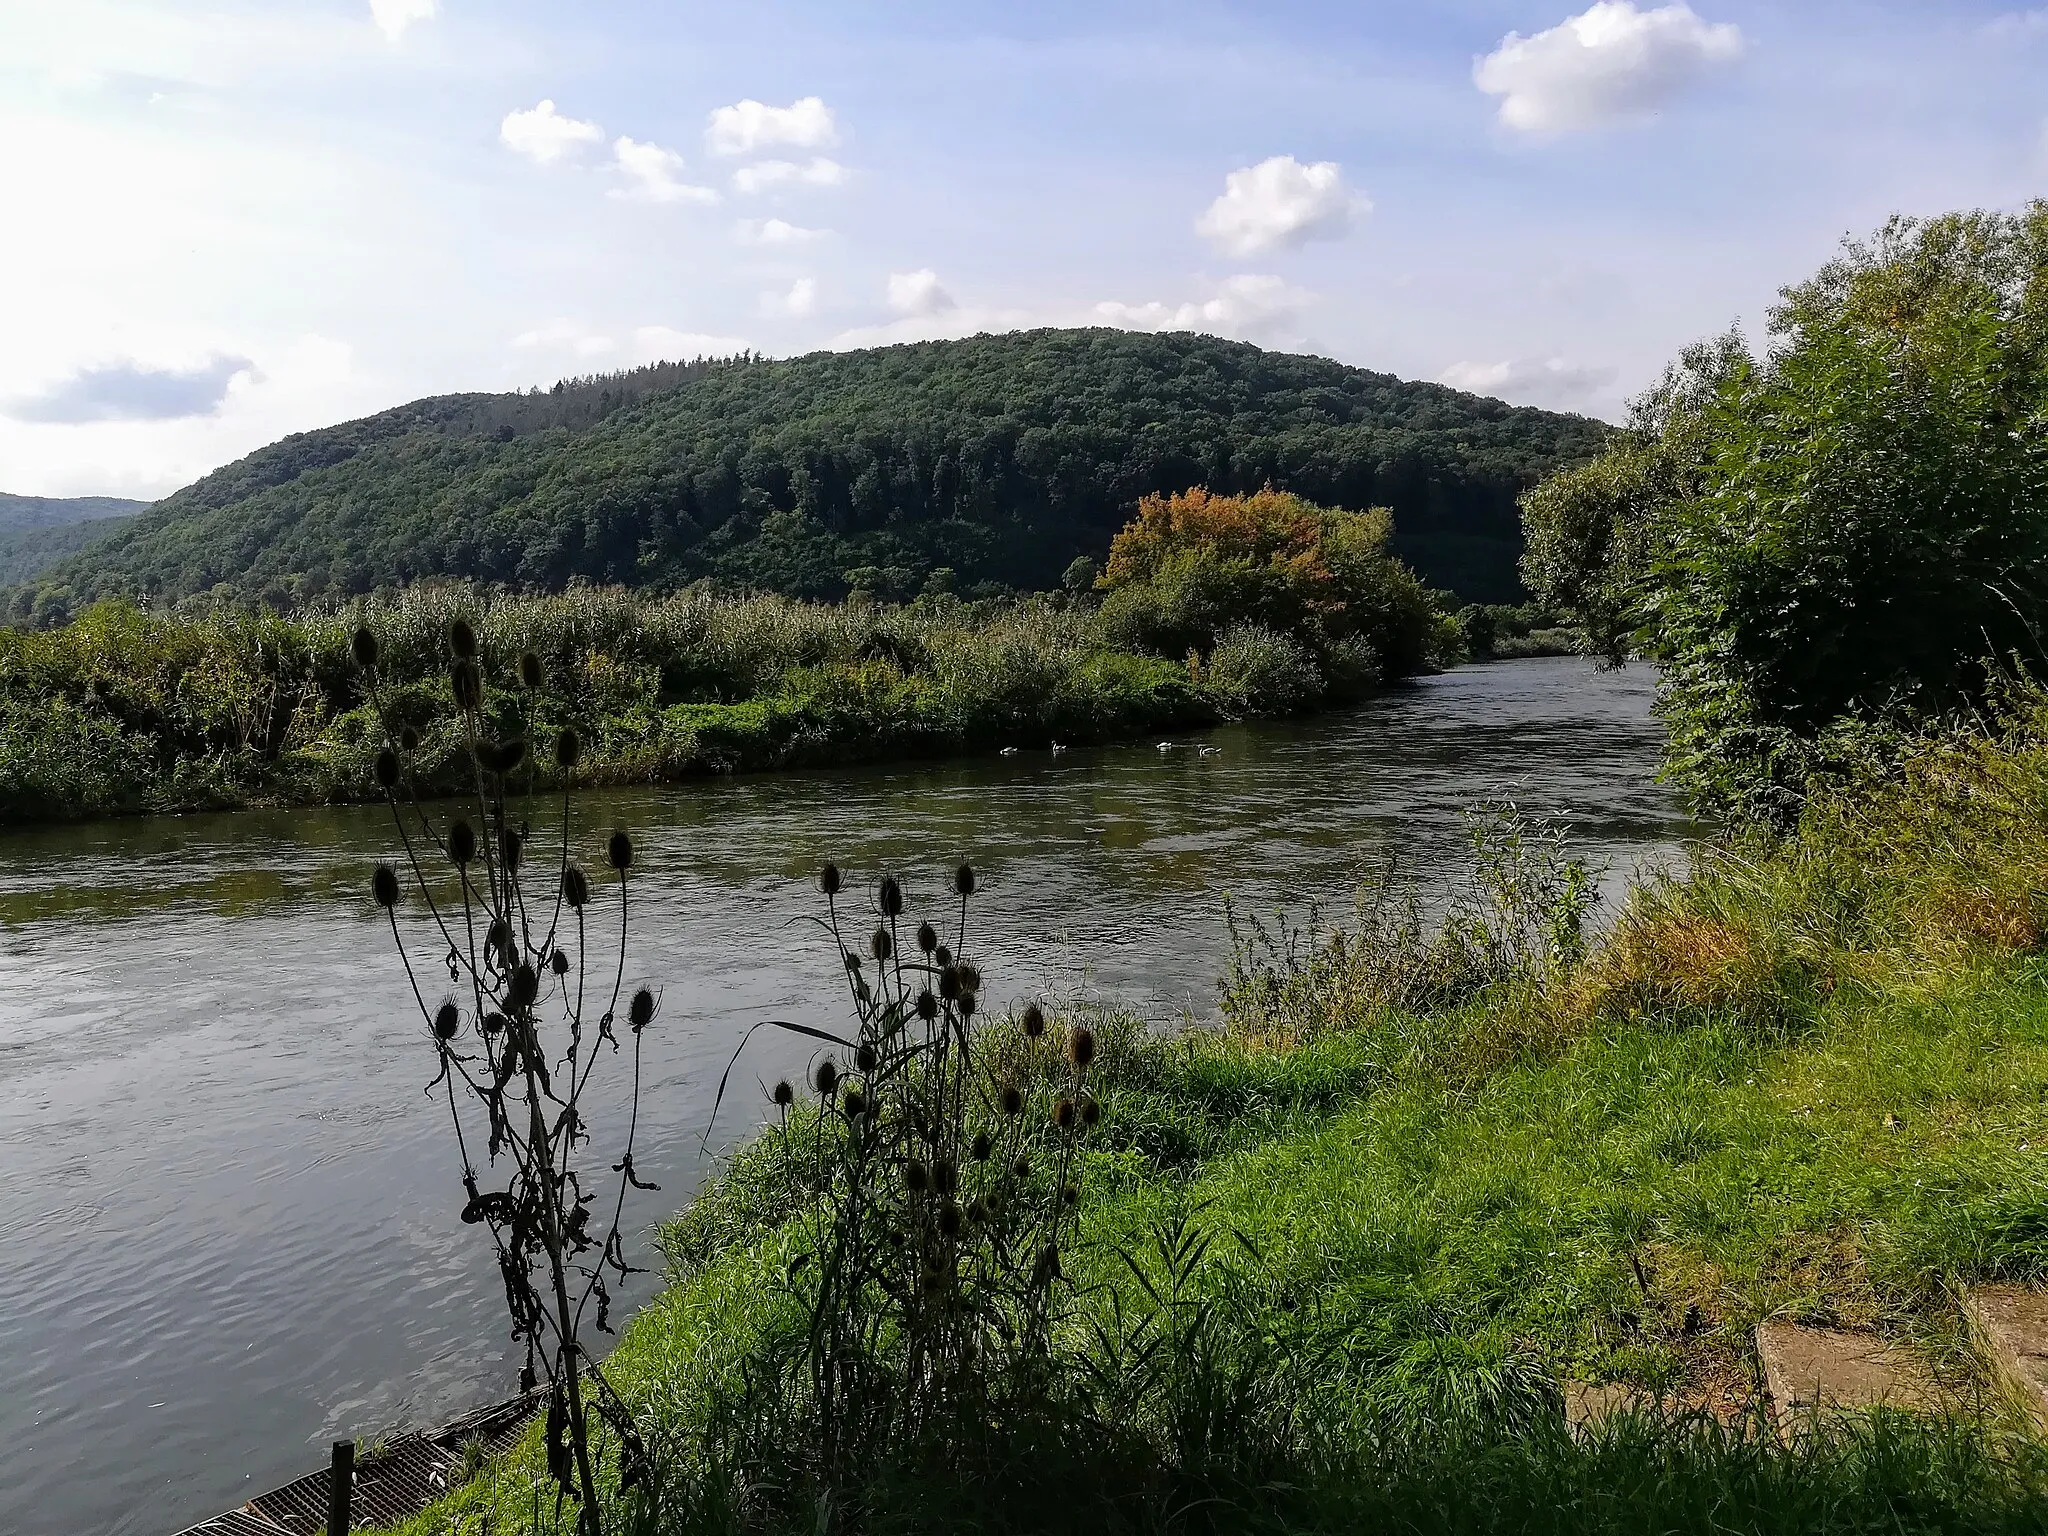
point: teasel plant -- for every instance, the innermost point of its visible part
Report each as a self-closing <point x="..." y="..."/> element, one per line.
<point x="942" y="1183"/>
<point x="530" y="1008"/>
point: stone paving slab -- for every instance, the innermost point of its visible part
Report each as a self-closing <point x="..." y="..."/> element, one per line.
<point x="1812" y="1370"/>
<point x="2010" y="1324"/>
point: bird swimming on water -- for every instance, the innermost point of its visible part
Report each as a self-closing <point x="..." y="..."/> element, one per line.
<point x="1007" y="752"/>
<point x="1057" y="749"/>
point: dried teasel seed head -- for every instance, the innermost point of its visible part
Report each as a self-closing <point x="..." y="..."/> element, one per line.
<point x="640" y="1012"/>
<point x="966" y="1005"/>
<point x="446" y="1021"/>
<point x="1091" y="1109"/>
<point x="1063" y="1114"/>
<point x="927" y="1005"/>
<point x="927" y="937"/>
<point x="942" y="957"/>
<point x="408" y="740"/>
<point x="568" y="749"/>
<point x="558" y="962"/>
<point x="493" y="1022"/>
<point x="854" y="1101"/>
<point x="984" y="1145"/>
<point x="510" y="846"/>
<point x="977" y="1210"/>
<point x="467" y="684"/>
<point x="384" y="885"/>
<point x="522" y="987"/>
<point x="949" y="1219"/>
<point x="618" y="851"/>
<point x="949" y="983"/>
<point x="501" y="757"/>
<point x="970" y="977"/>
<point x="1049" y="1262"/>
<point x="530" y="672"/>
<point x="1013" y="1099"/>
<point x="1021" y="1168"/>
<point x="461" y="844"/>
<point x="498" y="937"/>
<point x="829" y="880"/>
<point x="880" y="944"/>
<point x="386" y="768"/>
<point x="945" y="1175"/>
<point x="1081" y="1046"/>
<point x="916" y="1177"/>
<point x="866" y="1057"/>
<point x="576" y="887"/>
<point x="363" y="646"/>
<point x="890" y="897"/>
<point x="1069" y="1195"/>
<point x="963" y="880"/>
<point x="462" y="640"/>
<point x="1034" y="1021"/>
<point x="784" y="1095"/>
<point x="826" y="1077"/>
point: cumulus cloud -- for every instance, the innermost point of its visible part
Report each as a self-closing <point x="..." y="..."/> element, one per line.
<point x="1610" y="63"/>
<point x="1531" y="381"/>
<point x="394" y="16"/>
<point x="562" y="335"/>
<point x="652" y="174"/>
<point x="659" y="343"/>
<point x="749" y="126"/>
<point x="133" y="391"/>
<point x="769" y="174"/>
<point x="799" y="300"/>
<point x="1280" y="203"/>
<point x="544" y="136"/>
<point x="776" y="232"/>
<point x="1252" y="306"/>
<point x="918" y="293"/>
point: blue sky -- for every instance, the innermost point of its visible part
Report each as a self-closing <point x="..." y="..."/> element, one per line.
<point x="231" y="220"/>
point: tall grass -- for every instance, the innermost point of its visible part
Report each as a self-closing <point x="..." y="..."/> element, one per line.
<point x="125" y="711"/>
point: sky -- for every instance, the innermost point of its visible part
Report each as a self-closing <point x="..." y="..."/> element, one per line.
<point x="222" y="221"/>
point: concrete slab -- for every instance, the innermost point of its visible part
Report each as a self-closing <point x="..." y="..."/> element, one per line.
<point x="1824" y="1369"/>
<point x="2010" y="1325"/>
<point x="1588" y="1403"/>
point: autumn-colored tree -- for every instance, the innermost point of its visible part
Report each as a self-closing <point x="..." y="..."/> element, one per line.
<point x="1190" y="566"/>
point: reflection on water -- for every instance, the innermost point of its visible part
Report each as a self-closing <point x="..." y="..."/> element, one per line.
<point x="228" y="1228"/>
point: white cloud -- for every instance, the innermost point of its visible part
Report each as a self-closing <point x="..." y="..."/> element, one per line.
<point x="1252" y="306"/>
<point x="561" y="335"/>
<point x="748" y="126"/>
<point x="800" y="300"/>
<point x="1279" y="202"/>
<point x="1532" y="381"/>
<point x="769" y="174"/>
<point x="776" y="232"/>
<point x="918" y="293"/>
<point x="394" y="16"/>
<point x="130" y="390"/>
<point x="651" y="173"/>
<point x="661" y="343"/>
<point x="544" y="136"/>
<point x="2020" y="25"/>
<point x="1610" y="63"/>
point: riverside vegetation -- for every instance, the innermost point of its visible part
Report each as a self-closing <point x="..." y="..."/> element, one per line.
<point x="1211" y="608"/>
<point x="1331" y="1257"/>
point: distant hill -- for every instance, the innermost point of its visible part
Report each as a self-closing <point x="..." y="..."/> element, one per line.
<point x="38" y="531"/>
<point x="1000" y="457"/>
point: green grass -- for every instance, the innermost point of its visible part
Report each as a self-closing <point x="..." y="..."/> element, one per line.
<point x="1809" y="1080"/>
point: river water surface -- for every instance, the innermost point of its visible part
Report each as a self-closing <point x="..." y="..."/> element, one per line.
<point x="228" y="1214"/>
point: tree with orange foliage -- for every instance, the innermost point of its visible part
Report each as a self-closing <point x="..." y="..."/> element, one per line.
<point x="1192" y="571"/>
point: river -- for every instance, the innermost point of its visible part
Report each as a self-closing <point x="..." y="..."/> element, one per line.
<point x="228" y="1214"/>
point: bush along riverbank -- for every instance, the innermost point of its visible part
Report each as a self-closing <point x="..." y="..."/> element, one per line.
<point x="1333" y="1258"/>
<point x="1211" y="608"/>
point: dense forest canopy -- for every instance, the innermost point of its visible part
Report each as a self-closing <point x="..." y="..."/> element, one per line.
<point x="38" y="531"/>
<point x="996" y="460"/>
<point x="1837" y="542"/>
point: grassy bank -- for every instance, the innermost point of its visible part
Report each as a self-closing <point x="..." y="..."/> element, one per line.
<point x="1341" y="1250"/>
<point x="124" y="711"/>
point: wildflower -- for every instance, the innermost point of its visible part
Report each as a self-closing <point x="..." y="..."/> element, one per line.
<point x="575" y="887"/>
<point x="640" y="1012"/>
<point x="493" y="1022"/>
<point x="1034" y="1021"/>
<point x="970" y="977"/>
<point x="866" y="1057"/>
<point x="461" y="844"/>
<point x="522" y="988"/>
<point x="558" y="962"/>
<point x="826" y="1077"/>
<point x="828" y="879"/>
<point x="927" y="1005"/>
<point x="784" y="1094"/>
<point x="1063" y="1114"/>
<point x="949" y="983"/>
<point x="983" y="1146"/>
<point x="967" y="1005"/>
<point x="384" y="885"/>
<point x="927" y="937"/>
<point x="446" y="1022"/>
<point x="855" y="1101"/>
<point x="891" y="897"/>
<point x="1013" y="1099"/>
<point x="1081" y="1046"/>
<point x="880" y="944"/>
<point x="963" y="879"/>
<point x="618" y="852"/>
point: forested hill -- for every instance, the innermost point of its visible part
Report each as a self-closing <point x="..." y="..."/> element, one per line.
<point x="999" y="457"/>
<point x="38" y="531"/>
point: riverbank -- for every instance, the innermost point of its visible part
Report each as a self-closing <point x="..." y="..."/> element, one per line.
<point x="125" y="712"/>
<point x="1808" y="1080"/>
